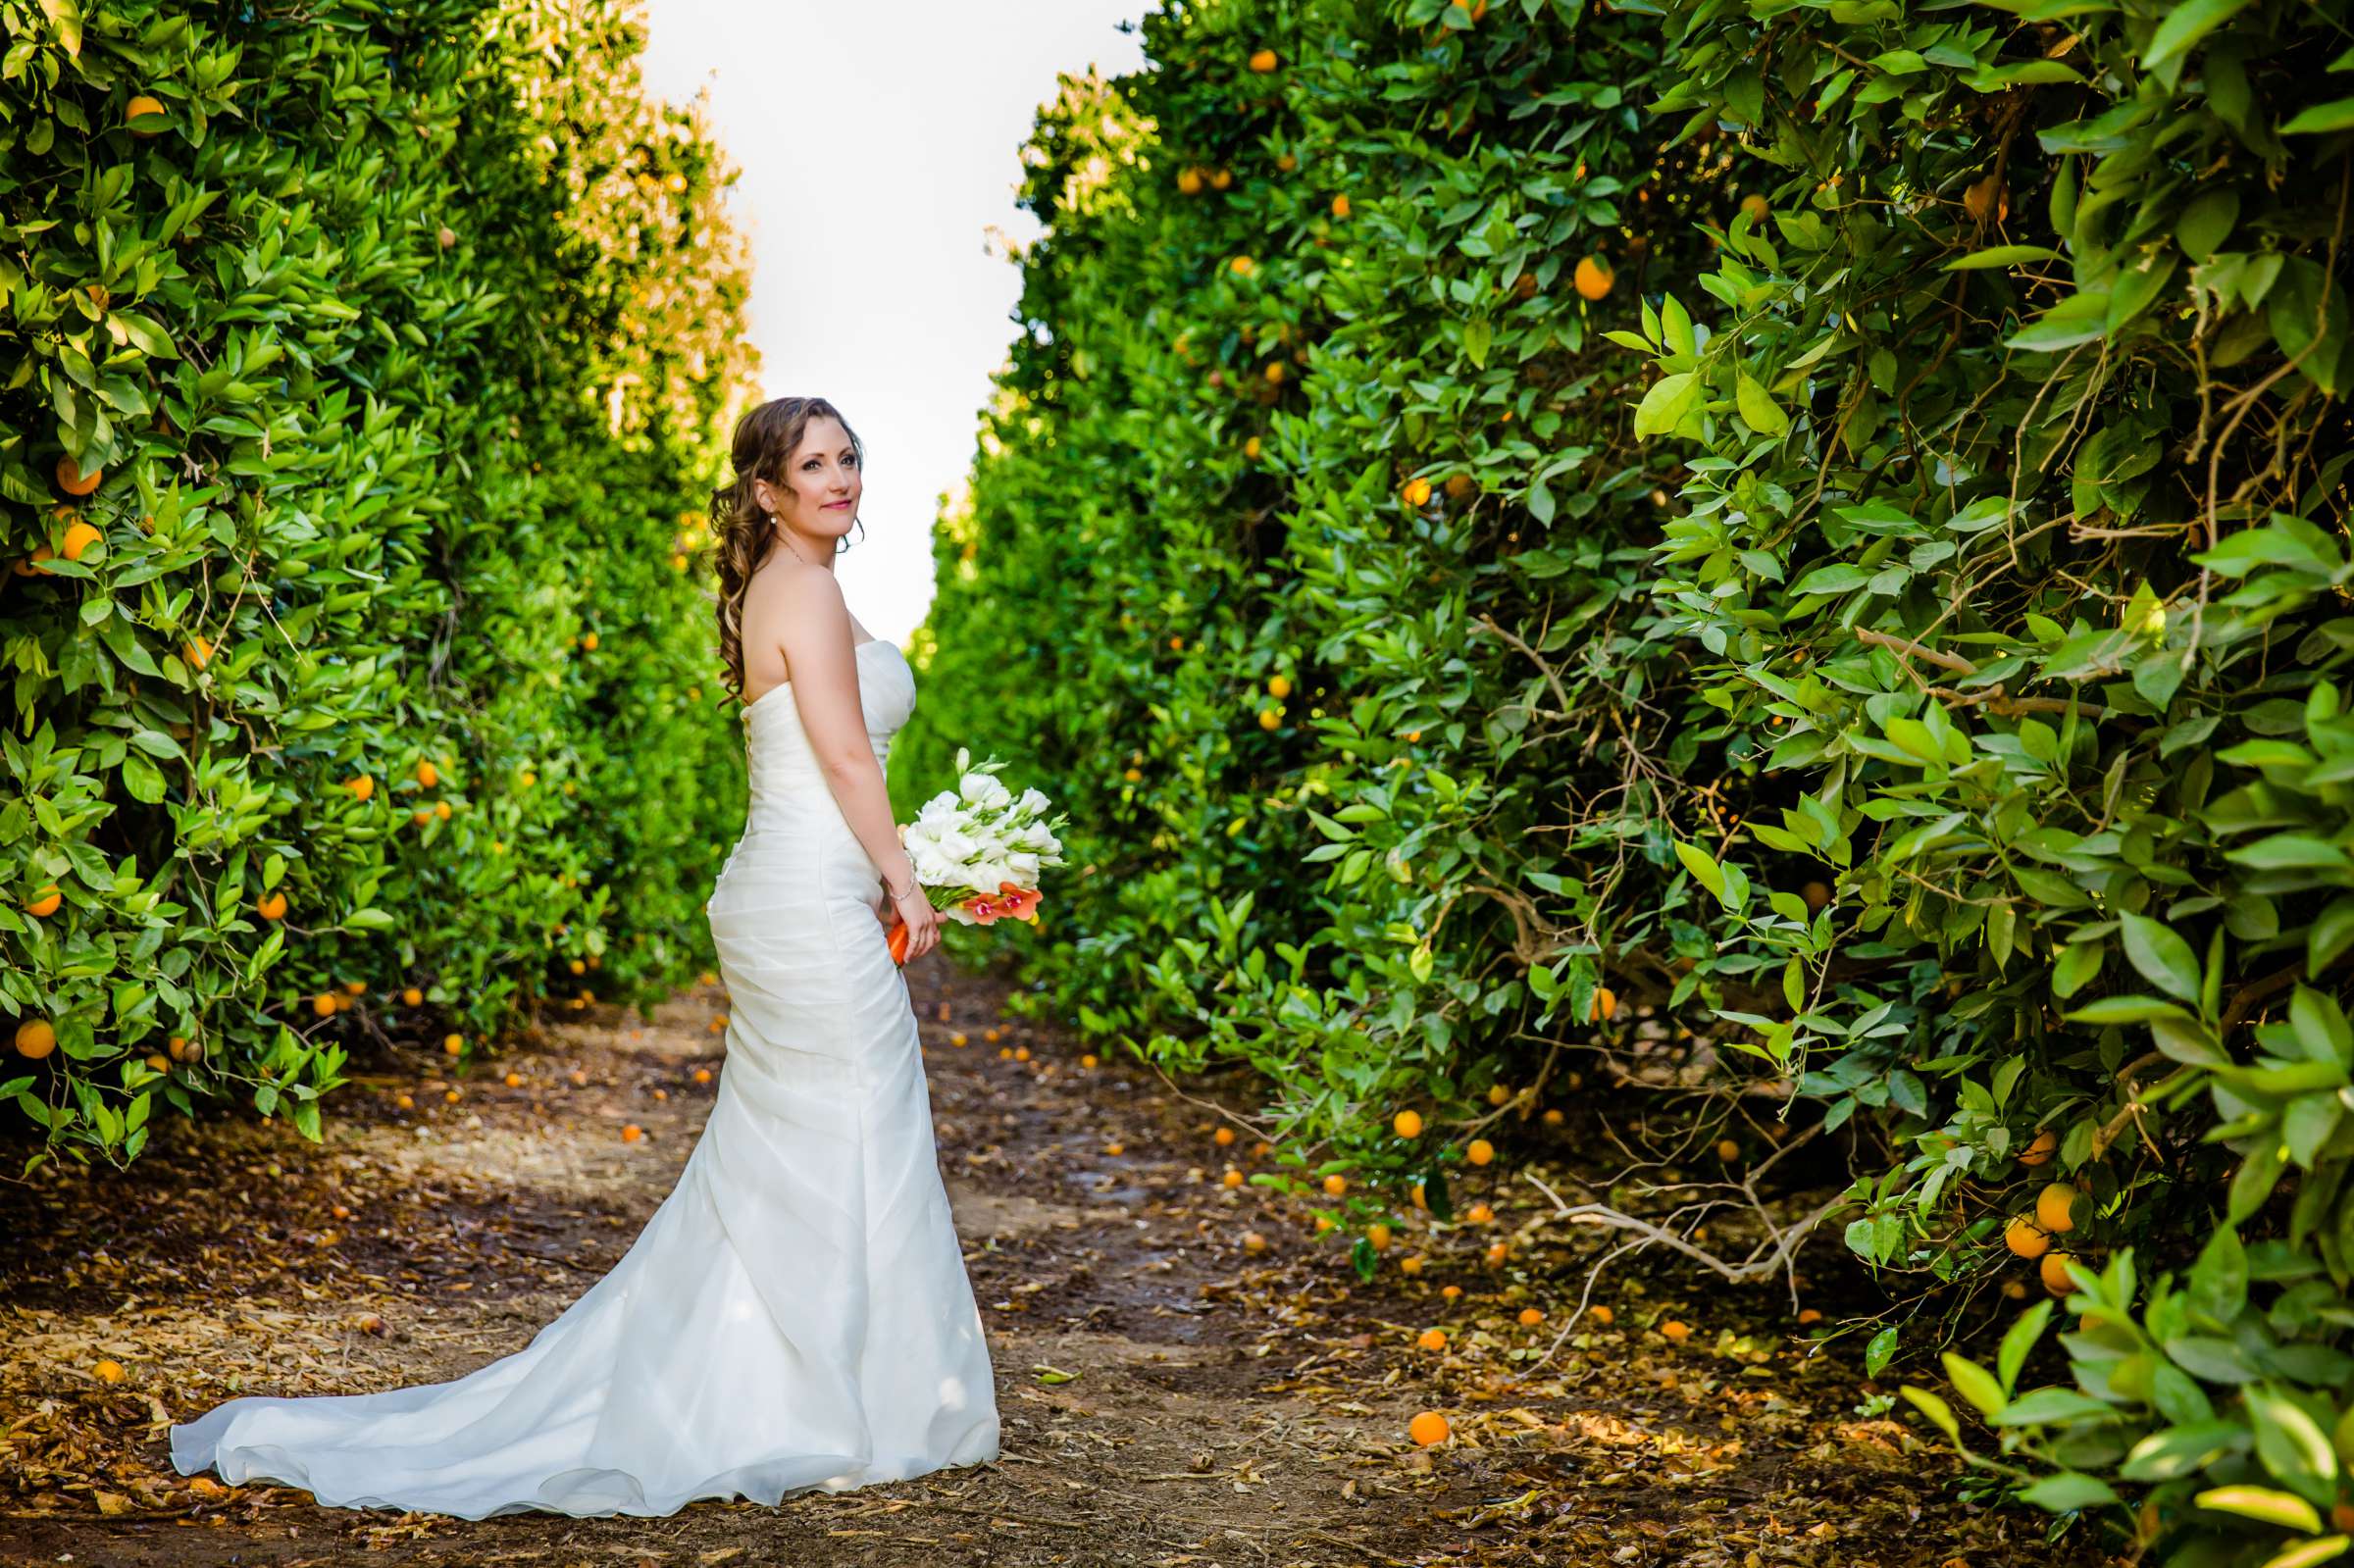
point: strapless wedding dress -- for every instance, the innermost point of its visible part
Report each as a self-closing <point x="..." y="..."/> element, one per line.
<point x="796" y="1314"/>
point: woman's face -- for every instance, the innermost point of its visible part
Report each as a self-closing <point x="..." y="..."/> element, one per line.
<point x="819" y="495"/>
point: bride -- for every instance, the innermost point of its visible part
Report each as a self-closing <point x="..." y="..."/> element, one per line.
<point x="797" y="1315"/>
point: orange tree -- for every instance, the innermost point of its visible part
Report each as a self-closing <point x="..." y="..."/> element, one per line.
<point x="362" y="371"/>
<point x="1825" y="523"/>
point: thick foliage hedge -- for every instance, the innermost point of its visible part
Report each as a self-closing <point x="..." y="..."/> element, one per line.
<point x="1825" y="523"/>
<point x="357" y="694"/>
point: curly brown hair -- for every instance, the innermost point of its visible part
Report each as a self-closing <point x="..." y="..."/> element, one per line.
<point x="743" y="538"/>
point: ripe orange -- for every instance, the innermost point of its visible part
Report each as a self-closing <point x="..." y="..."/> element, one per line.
<point x="1232" y="1178"/>
<point x="1984" y="198"/>
<point x="1189" y="182"/>
<point x="1220" y="178"/>
<point x="589" y="641"/>
<point x="1410" y="1265"/>
<point x="1269" y="719"/>
<point x="71" y="479"/>
<point x="1222" y="1136"/>
<point x="1479" y="1152"/>
<point x="139" y="108"/>
<point x="80" y="537"/>
<point x="1340" y="204"/>
<point x="1675" y="1332"/>
<point x="703" y="1075"/>
<point x="1254" y="1242"/>
<point x="1432" y="1338"/>
<point x="632" y="1133"/>
<point x="361" y="787"/>
<point x="1418" y="492"/>
<point x="1336" y="1184"/>
<point x="1603" y="1315"/>
<point x="2054" y="1269"/>
<point x="2040" y="1152"/>
<point x="1530" y="1317"/>
<point x="1242" y="266"/>
<point x="1286" y="162"/>
<point x="35" y="1039"/>
<point x="427" y="775"/>
<point x="1807" y="1315"/>
<point x="323" y="1004"/>
<point x="451" y="1094"/>
<point x="197" y="652"/>
<point x="1553" y="1115"/>
<point x="1133" y="775"/>
<point x="515" y="1081"/>
<point x="271" y="906"/>
<point x="1727" y="1150"/>
<point x="2026" y="1238"/>
<point x="403" y="1102"/>
<point x="45" y="901"/>
<point x="1087" y="1059"/>
<point x="1262" y="61"/>
<point x="413" y="996"/>
<point x="1753" y="204"/>
<point x="1428" y="1427"/>
<point x="957" y="1037"/>
<point x="1593" y="278"/>
<point x="1499" y="1093"/>
<point x="1603" y="1008"/>
<point x="1377" y="1236"/>
<point x="109" y="1371"/>
<point x="1274" y="371"/>
<point x="1279" y="686"/>
<point x="453" y="1044"/>
<point x="1407" y="1124"/>
<point x="2055" y="1208"/>
<point x="1250" y="450"/>
<point x="1498" y="1253"/>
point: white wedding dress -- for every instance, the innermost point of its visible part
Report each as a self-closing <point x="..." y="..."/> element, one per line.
<point x="796" y="1314"/>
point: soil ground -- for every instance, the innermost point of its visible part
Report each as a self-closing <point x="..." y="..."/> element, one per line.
<point x="1172" y="1395"/>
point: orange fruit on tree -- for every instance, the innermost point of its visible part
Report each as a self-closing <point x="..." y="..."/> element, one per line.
<point x="1336" y="1184"/>
<point x="1189" y="180"/>
<point x="71" y="479"/>
<point x="454" y="1045"/>
<point x="45" y="901"/>
<point x="413" y="996"/>
<point x="427" y="775"/>
<point x="2026" y="1238"/>
<point x="1220" y="178"/>
<point x="589" y="641"/>
<point x="1499" y="1093"/>
<point x="361" y="787"/>
<point x="323" y="1004"/>
<point x="1432" y="1338"/>
<point x="35" y="1039"/>
<point x="1279" y="686"/>
<point x="1242" y="266"/>
<point x="1479" y="1152"/>
<point x="1807" y="1316"/>
<point x="141" y="107"/>
<point x="1262" y="61"/>
<point x="2055" y="1208"/>
<point x="1603" y="1008"/>
<point x="1592" y="278"/>
<point x="1286" y="162"/>
<point x="1269" y="719"/>
<point x="197" y="652"/>
<point x="1984" y="198"/>
<point x="1340" y="204"/>
<point x="1428" y="1427"/>
<point x="270" y="907"/>
<point x="1418" y="492"/>
<point x="2041" y="1151"/>
<point x="1407" y="1124"/>
<point x="1250" y="450"/>
<point x="1753" y="204"/>
<point x="1727" y="1150"/>
<point x="80" y="537"/>
<point x="2054" y="1269"/>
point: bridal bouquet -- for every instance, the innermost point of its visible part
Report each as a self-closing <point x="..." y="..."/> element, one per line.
<point x="977" y="848"/>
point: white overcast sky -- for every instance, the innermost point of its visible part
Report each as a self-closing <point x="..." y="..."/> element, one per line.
<point x="880" y="147"/>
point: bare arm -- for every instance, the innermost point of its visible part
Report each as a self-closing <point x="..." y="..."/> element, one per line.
<point x="818" y="645"/>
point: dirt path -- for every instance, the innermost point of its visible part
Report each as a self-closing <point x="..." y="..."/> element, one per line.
<point x="1170" y="1396"/>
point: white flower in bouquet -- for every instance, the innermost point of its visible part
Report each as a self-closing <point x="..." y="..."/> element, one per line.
<point x="983" y="789"/>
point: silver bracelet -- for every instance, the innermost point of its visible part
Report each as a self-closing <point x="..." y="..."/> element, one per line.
<point x="895" y="894"/>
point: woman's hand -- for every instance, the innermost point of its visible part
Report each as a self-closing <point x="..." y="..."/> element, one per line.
<point x="921" y="919"/>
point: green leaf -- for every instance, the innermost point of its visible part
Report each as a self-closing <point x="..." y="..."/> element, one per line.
<point x="2290" y="1445"/>
<point x="2286" y="1509"/>
<point x="1758" y="409"/>
<point x="2164" y="958"/>
<point x="2184" y="26"/>
<point x="2000" y="256"/>
<point x="2320" y="118"/>
<point x="1974" y="1384"/>
<point x="2068" y="1492"/>
<point x="1878" y="1349"/>
<point x="1665" y="404"/>
<point x="1940" y="1414"/>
